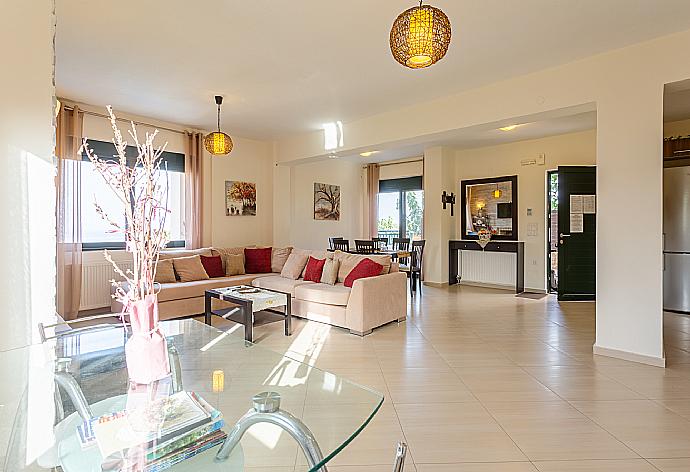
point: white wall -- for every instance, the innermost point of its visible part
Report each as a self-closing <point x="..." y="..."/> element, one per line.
<point x="495" y="161"/>
<point x="249" y="161"/>
<point x="27" y="185"/>
<point x="439" y="171"/>
<point x="308" y="233"/>
<point x="401" y="169"/>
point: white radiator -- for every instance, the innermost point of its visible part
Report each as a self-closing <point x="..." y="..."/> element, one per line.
<point x="95" y="283"/>
<point x="491" y="268"/>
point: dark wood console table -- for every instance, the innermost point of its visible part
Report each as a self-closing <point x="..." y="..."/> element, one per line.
<point x="517" y="247"/>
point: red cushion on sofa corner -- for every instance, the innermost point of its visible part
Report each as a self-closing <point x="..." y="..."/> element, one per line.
<point x="314" y="269"/>
<point x="257" y="260"/>
<point x="213" y="265"/>
<point x="365" y="268"/>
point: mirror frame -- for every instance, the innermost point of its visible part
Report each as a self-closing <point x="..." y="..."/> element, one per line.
<point x="514" y="202"/>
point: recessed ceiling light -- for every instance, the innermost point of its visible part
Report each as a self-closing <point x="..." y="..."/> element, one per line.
<point x="508" y="128"/>
<point x="368" y="153"/>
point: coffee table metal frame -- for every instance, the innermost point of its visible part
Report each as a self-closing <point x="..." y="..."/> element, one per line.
<point x="246" y="308"/>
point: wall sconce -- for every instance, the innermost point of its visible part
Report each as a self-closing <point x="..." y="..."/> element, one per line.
<point x="448" y="199"/>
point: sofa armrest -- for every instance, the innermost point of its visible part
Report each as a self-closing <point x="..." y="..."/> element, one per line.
<point x="375" y="301"/>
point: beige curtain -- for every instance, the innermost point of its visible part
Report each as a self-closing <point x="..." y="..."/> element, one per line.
<point x="373" y="192"/>
<point x="68" y="211"/>
<point x="194" y="181"/>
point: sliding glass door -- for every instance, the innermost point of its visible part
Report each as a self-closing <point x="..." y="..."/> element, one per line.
<point x="401" y="208"/>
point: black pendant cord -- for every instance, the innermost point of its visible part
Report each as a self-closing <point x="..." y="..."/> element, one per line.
<point x="219" y="118"/>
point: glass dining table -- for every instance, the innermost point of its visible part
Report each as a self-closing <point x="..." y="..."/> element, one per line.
<point x="67" y="405"/>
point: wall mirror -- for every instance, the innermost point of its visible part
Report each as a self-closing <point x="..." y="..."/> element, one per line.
<point x="489" y="204"/>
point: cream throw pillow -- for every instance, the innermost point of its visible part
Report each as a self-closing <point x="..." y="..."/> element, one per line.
<point x="165" y="274"/>
<point x="190" y="269"/>
<point x="330" y="272"/>
<point x="223" y="252"/>
<point x="234" y="264"/>
<point x="279" y="256"/>
<point x="349" y="261"/>
<point x="294" y="266"/>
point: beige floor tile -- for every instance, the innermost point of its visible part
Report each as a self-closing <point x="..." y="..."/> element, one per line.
<point x="671" y="465"/>
<point x="495" y="384"/>
<point x="632" y="465"/>
<point x="422" y="385"/>
<point x="476" y="467"/>
<point x="581" y="383"/>
<point x="455" y="432"/>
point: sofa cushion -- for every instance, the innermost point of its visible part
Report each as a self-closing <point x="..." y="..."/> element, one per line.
<point x="349" y="261"/>
<point x="365" y="268"/>
<point x="165" y="273"/>
<point x="175" y="253"/>
<point x="279" y="256"/>
<point x="316" y="254"/>
<point x="189" y="268"/>
<point x="213" y="265"/>
<point x="181" y="290"/>
<point x="257" y="260"/>
<point x="323" y="293"/>
<point x="234" y="264"/>
<point x="281" y="284"/>
<point x="294" y="266"/>
<point x="314" y="269"/>
<point x="329" y="275"/>
<point x="224" y="252"/>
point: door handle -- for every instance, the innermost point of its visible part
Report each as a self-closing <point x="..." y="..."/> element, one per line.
<point x="565" y="235"/>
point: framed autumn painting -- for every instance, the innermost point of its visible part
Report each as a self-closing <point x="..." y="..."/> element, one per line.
<point x="240" y="198"/>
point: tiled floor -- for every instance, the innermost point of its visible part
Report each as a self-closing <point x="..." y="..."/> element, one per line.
<point x="477" y="380"/>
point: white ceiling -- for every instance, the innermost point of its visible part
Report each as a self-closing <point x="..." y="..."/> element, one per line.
<point x="287" y="67"/>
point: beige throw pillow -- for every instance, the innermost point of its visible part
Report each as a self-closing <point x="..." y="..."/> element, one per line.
<point x="279" y="256"/>
<point x="190" y="269"/>
<point x="165" y="274"/>
<point x="234" y="264"/>
<point x="349" y="261"/>
<point x="330" y="272"/>
<point x="294" y="266"/>
<point x="223" y="252"/>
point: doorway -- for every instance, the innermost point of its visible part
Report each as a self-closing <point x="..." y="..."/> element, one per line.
<point x="552" y="231"/>
<point x="401" y="209"/>
<point x="576" y="233"/>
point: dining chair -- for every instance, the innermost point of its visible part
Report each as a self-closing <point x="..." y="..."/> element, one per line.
<point x="414" y="269"/>
<point x="365" y="246"/>
<point x="380" y="243"/>
<point x="334" y="238"/>
<point x="401" y="244"/>
<point x="341" y="245"/>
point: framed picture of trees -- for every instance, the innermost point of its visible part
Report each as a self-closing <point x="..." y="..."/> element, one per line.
<point x="326" y="202"/>
<point x="240" y="198"/>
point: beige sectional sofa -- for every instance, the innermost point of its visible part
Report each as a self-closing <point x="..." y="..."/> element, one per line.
<point x="370" y="303"/>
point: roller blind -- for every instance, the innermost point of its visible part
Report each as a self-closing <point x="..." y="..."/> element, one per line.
<point x="105" y="150"/>
<point x="400" y="185"/>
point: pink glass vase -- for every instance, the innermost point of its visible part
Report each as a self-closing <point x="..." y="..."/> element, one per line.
<point x="146" y="350"/>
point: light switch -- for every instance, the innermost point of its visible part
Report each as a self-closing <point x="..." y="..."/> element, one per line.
<point x="529" y="212"/>
<point x="532" y="229"/>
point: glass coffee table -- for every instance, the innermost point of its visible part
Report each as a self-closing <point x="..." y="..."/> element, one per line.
<point x="276" y="411"/>
<point x="249" y="301"/>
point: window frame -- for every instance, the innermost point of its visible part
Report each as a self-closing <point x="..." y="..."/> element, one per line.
<point x="175" y="162"/>
<point x="401" y="186"/>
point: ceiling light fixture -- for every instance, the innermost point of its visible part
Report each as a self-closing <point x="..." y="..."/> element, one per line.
<point x="368" y="153"/>
<point x="217" y="142"/>
<point x="509" y="127"/>
<point x="420" y="36"/>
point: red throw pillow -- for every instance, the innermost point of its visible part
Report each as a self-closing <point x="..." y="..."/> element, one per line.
<point x="213" y="265"/>
<point x="365" y="268"/>
<point x="314" y="269"/>
<point x="257" y="260"/>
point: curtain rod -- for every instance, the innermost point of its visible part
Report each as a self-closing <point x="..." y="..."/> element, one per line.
<point x="141" y="123"/>
<point x="396" y="163"/>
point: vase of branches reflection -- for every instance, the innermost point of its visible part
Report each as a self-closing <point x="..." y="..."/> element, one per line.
<point x="141" y="186"/>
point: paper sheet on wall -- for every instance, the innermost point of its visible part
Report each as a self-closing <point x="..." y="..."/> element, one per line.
<point x="576" y="223"/>
<point x="589" y="204"/>
<point x="576" y="204"/>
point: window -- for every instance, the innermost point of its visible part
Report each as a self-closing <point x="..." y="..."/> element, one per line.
<point x="401" y="208"/>
<point x="99" y="234"/>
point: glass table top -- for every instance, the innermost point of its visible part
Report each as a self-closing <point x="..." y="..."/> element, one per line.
<point x="303" y="418"/>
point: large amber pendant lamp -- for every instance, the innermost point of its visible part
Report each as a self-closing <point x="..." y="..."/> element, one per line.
<point x="420" y="36"/>
<point x="217" y="142"/>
